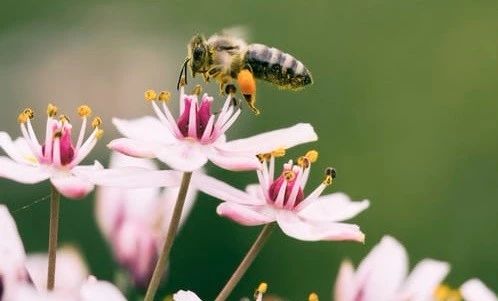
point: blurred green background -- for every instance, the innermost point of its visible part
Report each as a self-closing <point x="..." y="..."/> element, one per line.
<point x="404" y="102"/>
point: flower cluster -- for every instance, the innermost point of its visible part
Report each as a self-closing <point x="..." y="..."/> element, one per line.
<point x="139" y="207"/>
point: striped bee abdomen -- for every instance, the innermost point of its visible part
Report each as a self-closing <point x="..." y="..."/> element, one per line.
<point x="277" y="67"/>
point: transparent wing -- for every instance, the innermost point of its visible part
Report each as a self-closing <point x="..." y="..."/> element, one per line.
<point x="238" y="31"/>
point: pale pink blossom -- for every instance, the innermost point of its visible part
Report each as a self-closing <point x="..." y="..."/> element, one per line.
<point x="475" y="290"/>
<point x="281" y="199"/>
<point x="383" y="276"/>
<point x="182" y="295"/>
<point x="135" y="221"/>
<point x="57" y="158"/>
<point x="24" y="277"/>
<point x="187" y="143"/>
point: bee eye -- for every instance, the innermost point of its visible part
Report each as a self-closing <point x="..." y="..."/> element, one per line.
<point x="198" y="52"/>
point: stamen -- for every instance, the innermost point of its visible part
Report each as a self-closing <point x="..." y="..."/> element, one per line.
<point x="446" y="293"/>
<point x="51" y="110"/>
<point x="97" y="122"/>
<point x="306" y="160"/>
<point x="280" y="199"/>
<point x="289" y="175"/>
<point x="84" y="111"/>
<point x="279" y="152"/>
<point x="64" y="119"/>
<point x="197" y="90"/>
<point x="313" y="297"/>
<point x="260" y="291"/>
<point x="99" y="134"/>
<point x="150" y="95"/>
<point x="330" y="175"/>
<point x="164" y="96"/>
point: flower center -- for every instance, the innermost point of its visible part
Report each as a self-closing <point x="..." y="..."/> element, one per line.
<point x="286" y="190"/>
<point x="195" y="116"/>
<point x="446" y="293"/>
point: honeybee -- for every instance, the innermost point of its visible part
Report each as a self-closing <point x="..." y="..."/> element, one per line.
<point x="225" y="57"/>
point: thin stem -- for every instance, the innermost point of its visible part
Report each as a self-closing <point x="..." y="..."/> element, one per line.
<point x="52" y="237"/>
<point x="170" y="237"/>
<point x="246" y="262"/>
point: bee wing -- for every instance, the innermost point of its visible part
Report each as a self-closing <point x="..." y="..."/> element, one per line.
<point x="239" y="31"/>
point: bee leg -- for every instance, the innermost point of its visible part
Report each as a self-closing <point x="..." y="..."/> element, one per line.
<point x="251" y="101"/>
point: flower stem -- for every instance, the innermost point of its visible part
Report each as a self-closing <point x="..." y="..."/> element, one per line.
<point x="52" y="236"/>
<point x="170" y="236"/>
<point x="246" y="262"/>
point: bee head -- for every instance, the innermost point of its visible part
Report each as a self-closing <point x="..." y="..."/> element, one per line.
<point x="198" y="52"/>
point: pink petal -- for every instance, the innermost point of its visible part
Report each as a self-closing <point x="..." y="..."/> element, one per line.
<point x="332" y="208"/>
<point x="134" y="148"/>
<point x="294" y="226"/>
<point x="380" y="274"/>
<point x="11" y="247"/>
<point x="223" y="191"/>
<point x="269" y="141"/>
<point x="475" y="290"/>
<point x="71" y="271"/>
<point x="146" y="129"/>
<point x="345" y="284"/>
<point x="71" y="186"/>
<point x="184" y="156"/>
<point x="424" y="279"/>
<point x="246" y="215"/>
<point x="235" y="162"/>
<point x="185" y="296"/>
<point x="94" y="290"/>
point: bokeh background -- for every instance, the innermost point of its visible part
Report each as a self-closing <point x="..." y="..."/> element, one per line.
<point x="404" y="102"/>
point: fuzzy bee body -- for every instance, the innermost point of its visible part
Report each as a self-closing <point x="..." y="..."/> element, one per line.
<point x="223" y="58"/>
<point x="275" y="66"/>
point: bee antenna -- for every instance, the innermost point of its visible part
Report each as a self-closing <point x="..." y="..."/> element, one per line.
<point x="183" y="70"/>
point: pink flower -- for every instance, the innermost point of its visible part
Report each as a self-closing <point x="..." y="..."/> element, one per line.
<point x="282" y="200"/>
<point x="24" y="277"/>
<point x="135" y="221"/>
<point x="382" y="275"/>
<point x="198" y="135"/>
<point x="56" y="158"/>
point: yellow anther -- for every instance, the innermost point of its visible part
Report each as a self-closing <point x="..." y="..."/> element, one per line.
<point x="279" y="152"/>
<point x="164" y="96"/>
<point x="84" y="111"/>
<point x="29" y="113"/>
<point x="445" y="293"/>
<point x="262" y="288"/>
<point x="197" y="90"/>
<point x="57" y="134"/>
<point x="313" y="297"/>
<point x="51" y="110"/>
<point x="22" y="118"/>
<point x="263" y="157"/>
<point x="289" y="175"/>
<point x="99" y="133"/>
<point x="96" y="122"/>
<point x="329" y="176"/>
<point x="150" y="95"/>
<point x="64" y="118"/>
<point x="312" y="156"/>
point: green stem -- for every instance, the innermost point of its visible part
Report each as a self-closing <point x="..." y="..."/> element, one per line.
<point x="170" y="237"/>
<point x="246" y="262"/>
<point x="52" y="236"/>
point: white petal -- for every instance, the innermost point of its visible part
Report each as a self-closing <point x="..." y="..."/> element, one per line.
<point x="17" y="150"/>
<point x="424" y="279"/>
<point x="475" y="290"/>
<point x="94" y="290"/>
<point x="132" y="147"/>
<point x="120" y="160"/>
<point x="184" y="156"/>
<point x="20" y="172"/>
<point x="345" y="286"/>
<point x="381" y="273"/>
<point x="185" y="296"/>
<point x="334" y="207"/>
<point x="269" y="141"/>
<point x="129" y="177"/>
<point x="292" y="225"/>
<point x="147" y="129"/>
<point x="11" y="247"/>
<point x="223" y="191"/>
<point x="70" y="273"/>
<point x="234" y="162"/>
<point x="70" y="185"/>
<point x="246" y="215"/>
